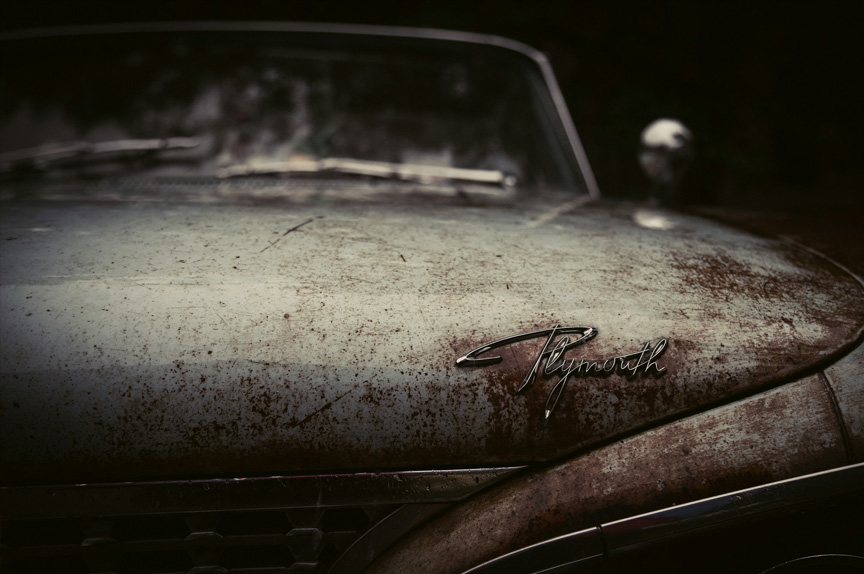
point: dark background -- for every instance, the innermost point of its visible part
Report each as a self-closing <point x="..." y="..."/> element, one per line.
<point x="771" y="90"/>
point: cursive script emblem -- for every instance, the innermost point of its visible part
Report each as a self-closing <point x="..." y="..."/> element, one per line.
<point x="644" y="360"/>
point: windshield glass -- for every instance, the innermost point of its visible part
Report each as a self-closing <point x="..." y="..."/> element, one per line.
<point x="211" y="104"/>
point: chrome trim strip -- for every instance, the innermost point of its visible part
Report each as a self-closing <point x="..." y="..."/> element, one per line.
<point x="381" y="536"/>
<point x="570" y="128"/>
<point x="265" y="26"/>
<point x="637" y="531"/>
<point x="538" y="57"/>
<point x="316" y="491"/>
<point x="621" y="536"/>
<point x="548" y="556"/>
<point x="621" y="364"/>
<point x="808" y="563"/>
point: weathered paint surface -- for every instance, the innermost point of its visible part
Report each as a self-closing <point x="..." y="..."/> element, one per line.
<point x="846" y="378"/>
<point x="148" y="340"/>
<point x="782" y="433"/>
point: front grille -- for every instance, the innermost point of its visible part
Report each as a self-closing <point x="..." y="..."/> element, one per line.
<point x="334" y="523"/>
<point x="271" y="541"/>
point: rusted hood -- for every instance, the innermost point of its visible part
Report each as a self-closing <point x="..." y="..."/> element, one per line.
<point x="189" y="340"/>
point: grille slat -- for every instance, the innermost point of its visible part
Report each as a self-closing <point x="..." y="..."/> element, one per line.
<point x="271" y="541"/>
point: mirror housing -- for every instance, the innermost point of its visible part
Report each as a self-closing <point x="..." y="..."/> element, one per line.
<point x="665" y="153"/>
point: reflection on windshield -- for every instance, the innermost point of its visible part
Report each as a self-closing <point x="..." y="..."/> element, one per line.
<point x="262" y="102"/>
<point x="404" y="171"/>
<point x="45" y="154"/>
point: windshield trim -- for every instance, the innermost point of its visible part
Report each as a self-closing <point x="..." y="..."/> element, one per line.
<point x="262" y="26"/>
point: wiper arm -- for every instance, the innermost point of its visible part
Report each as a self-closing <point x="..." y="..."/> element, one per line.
<point x="41" y="156"/>
<point x="403" y="171"/>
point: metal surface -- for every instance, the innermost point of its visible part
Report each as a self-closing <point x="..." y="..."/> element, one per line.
<point x="826" y="232"/>
<point x="627" y="365"/>
<point x="725" y="511"/>
<point x="472" y="359"/>
<point x="246" y="493"/>
<point x="279" y="539"/>
<point x="846" y="381"/>
<point x="817" y="564"/>
<point x="332" y="523"/>
<point x="374" y="542"/>
<point x="665" y="154"/>
<point x="568" y="550"/>
<point x="257" y="330"/>
<point x="783" y="433"/>
<point x="157" y="340"/>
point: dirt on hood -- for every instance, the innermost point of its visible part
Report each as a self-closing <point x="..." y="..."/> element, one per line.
<point x="163" y="340"/>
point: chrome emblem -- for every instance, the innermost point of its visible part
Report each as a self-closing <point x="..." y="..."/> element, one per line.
<point x="630" y="365"/>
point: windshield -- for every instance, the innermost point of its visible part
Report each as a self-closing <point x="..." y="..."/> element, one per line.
<point x="117" y="104"/>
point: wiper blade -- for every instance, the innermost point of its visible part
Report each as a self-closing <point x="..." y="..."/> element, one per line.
<point x="43" y="155"/>
<point x="403" y="171"/>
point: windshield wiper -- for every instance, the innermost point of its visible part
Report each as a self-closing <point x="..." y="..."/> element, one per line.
<point x="44" y="155"/>
<point x="402" y="171"/>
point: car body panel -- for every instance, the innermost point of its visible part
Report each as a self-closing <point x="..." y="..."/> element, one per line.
<point x="190" y="340"/>
<point x="846" y="380"/>
<point x="288" y="370"/>
<point x="782" y="433"/>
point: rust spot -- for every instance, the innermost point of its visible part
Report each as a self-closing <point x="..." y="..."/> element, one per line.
<point x="721" y="276"/>
<point x="769" y="437"/>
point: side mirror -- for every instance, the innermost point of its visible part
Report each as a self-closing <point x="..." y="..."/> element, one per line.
<point x="665" y="153"/>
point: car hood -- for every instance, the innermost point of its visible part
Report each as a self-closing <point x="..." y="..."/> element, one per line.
<point x="145" y="340"/>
